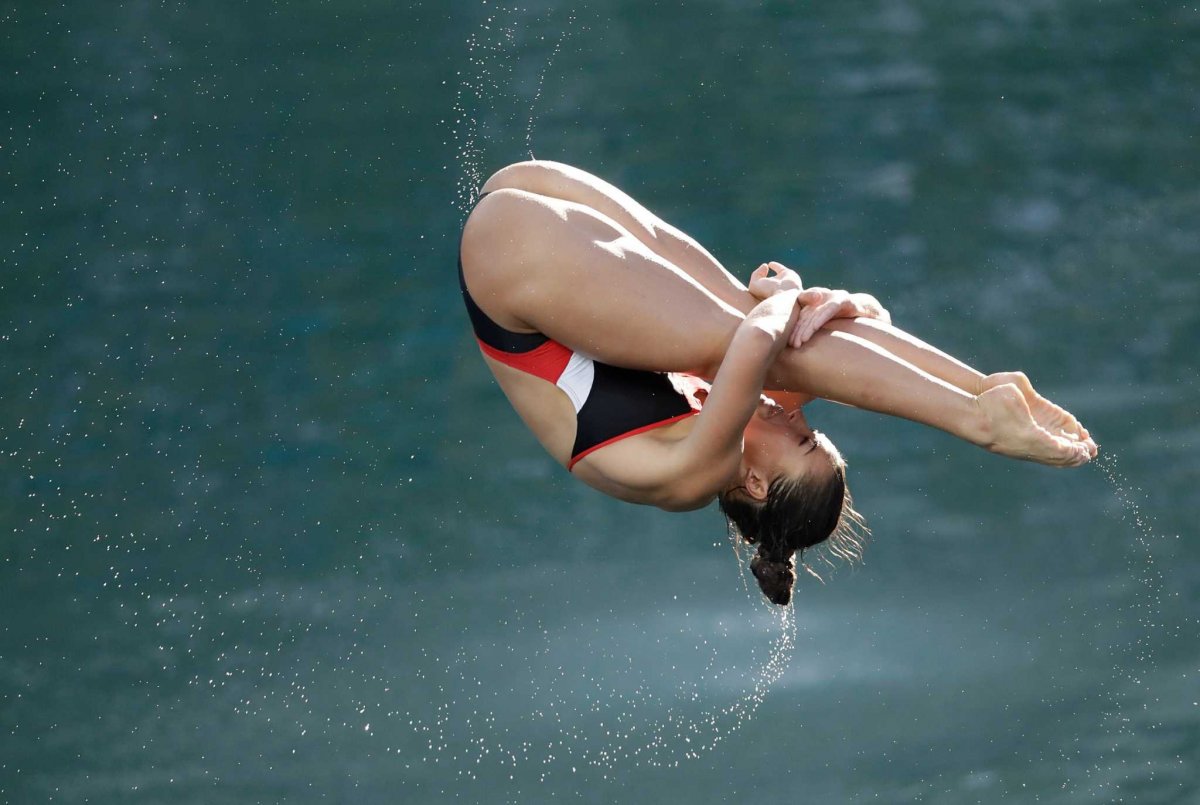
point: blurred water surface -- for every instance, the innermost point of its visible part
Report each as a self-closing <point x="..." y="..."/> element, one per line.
<point x="271" y="534"/>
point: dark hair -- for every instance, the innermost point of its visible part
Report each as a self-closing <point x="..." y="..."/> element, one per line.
<point x="797" y="514"/>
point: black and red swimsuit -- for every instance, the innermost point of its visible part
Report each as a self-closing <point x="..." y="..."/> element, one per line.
<point x="611" y="403"/>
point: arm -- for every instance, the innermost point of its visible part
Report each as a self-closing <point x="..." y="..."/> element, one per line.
<point x="711" y="453"/>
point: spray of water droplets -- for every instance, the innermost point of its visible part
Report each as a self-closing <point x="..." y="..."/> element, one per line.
<point x="633" y="726"/>
<point x="1132" y="666"/>
<point x="626" y="734"/>
<point x="494" y="88"/>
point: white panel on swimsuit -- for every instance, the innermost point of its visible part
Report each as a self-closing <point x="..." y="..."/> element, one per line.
<point x="576" y="379"/>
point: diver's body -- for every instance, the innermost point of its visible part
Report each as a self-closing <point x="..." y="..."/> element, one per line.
<point x="552" y="250"/>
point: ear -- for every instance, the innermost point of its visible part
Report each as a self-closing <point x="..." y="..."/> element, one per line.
<point x="756" y="484"/>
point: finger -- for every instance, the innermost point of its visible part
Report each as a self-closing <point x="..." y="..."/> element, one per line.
<point x="812" y="296"/>
<point x="798" y="331"/>
<point x="1077" y="430"/>
<point x="801" y="333"/>
<point x="762" y="284"/>
<point x="805" y="328"/>
<point x="817" y="317"/>
<point x="783" y="270"/>
<point x="794" y="338"/>
<point x="758" y="277"/>
<point x="822" y="314"/>
<point x="1074" y="454"/>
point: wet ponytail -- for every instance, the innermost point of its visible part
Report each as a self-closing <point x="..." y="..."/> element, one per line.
<point x="796" y="515"/>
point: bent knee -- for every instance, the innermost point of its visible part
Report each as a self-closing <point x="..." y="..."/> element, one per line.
<point x="534" y="175"/>
<point x="509" y="233"/>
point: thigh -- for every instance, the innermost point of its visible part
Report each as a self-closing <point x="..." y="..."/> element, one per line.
<point x="554" y="266"/>
<point x="557" y="180"/>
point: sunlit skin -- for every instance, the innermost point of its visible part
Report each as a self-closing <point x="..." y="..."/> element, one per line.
<point x="556" y="251"/>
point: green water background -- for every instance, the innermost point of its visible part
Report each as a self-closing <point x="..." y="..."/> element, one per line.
<point x="270" y="533"/>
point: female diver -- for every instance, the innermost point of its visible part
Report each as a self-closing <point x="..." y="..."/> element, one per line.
<point x="581" y="299"/>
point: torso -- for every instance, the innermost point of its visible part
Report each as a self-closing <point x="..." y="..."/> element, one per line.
<point x="548" y="413"/>
<point x="613" y="428"/>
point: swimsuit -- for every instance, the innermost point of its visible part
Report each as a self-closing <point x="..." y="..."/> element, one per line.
<point x="611" y="403"/>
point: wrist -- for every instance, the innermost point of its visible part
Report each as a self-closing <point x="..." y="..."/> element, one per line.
<point x="755" y="335"/>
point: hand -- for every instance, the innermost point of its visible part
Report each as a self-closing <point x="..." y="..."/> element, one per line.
<point x="1013" y="432"/>
<point x="762" y="284"/>
<point x="821" y="305"/>
<point x="776" y="315"/>
<point x="1055" y="419"/>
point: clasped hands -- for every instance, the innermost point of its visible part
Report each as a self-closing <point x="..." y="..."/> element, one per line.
<point x="818" y="305"/>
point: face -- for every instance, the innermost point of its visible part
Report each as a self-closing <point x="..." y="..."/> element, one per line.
<point x="780" y="443"/>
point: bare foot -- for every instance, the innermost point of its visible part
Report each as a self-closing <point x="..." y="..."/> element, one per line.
<point x="1053" y="418"/>
<point x="1013" y="431"/>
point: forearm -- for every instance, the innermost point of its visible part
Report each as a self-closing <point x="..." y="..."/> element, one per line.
<point x="735" y="390"/>
<point x="734" y="393"/>
<point x="847" y="368"/>
<point x="913" y="350"/>
<point x="711" y="453"/>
